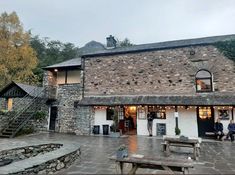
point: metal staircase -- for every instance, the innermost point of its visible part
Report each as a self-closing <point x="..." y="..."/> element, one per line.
<point x="24" y="111"/>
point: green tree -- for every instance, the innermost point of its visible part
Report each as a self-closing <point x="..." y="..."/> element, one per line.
<point x="227" y="48"/>
<point x="17" y="57"/>
<point x="124" y="43"/>
<point x="51" y="52"/>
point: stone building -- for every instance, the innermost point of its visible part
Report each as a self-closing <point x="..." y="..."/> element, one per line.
<point x="18" y="104"/>
<point x="185" y="84"/>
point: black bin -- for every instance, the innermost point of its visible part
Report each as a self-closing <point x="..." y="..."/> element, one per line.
<point x="96" y="129"/>
<point x="105" y="129"/>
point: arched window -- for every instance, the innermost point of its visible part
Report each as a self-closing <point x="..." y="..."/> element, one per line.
<point x="203" y="81"/>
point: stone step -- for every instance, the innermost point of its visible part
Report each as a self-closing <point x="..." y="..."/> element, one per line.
<point x="4" y="136"/>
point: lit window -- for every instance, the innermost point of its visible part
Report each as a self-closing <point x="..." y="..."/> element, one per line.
<point x="9" y="104"/>
<point x="203" y="81"/>
<point x="205" y="112"/>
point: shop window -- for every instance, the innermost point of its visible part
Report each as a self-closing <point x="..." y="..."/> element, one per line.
<point x="157" y="112"/>
<point x="205" y="112"/>
<point x="68" y="76"/>
<point x="109" y="114"/>
<point x="203" y="81"/>
<point x="121" y="113"/>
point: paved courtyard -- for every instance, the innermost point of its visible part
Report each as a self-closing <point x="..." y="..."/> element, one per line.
<point x="215" y="158"/>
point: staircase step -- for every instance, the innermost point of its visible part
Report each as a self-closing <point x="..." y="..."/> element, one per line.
<point x="4" y="136"/>
<point x="7" y="133"/>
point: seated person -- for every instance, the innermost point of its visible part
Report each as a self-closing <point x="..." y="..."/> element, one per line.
<point x="218" y="127"/>
<point x="231" y="130"/>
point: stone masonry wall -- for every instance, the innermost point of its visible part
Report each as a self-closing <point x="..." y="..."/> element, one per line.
<point x="3" y="104"/>
<point x="84" y="120"/>
<point x="157" y="72"/>
<point x="67" y="94"/>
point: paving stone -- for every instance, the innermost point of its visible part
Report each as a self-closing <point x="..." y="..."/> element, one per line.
<point x="215" y="157"/>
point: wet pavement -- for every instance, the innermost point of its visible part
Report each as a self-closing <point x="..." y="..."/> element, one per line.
<point x="215" y="157"/>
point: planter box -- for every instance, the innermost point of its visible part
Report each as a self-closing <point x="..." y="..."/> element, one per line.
<point x="122" y="154"/>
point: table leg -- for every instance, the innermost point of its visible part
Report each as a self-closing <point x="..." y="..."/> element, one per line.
<point x="185" y="171"/>
<point x="121" y="167"/>
<point x="134" y="168"/>
<point x="195" y="152"/>
<point x="167" y="149"/>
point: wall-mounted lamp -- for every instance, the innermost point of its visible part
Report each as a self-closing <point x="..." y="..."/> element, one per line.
<point x="56" y="70"/>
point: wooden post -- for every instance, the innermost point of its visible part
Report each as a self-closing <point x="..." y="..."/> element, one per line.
<point x="232" y="113"/>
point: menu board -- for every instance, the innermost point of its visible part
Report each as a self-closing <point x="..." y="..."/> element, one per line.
<point x="161" y="129"/>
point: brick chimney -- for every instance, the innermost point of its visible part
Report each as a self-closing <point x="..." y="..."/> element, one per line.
<point x="111" y="42"/>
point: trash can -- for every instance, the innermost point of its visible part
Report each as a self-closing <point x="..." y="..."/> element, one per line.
<point x="96" y="129"/>
<point x="105" y="129"/>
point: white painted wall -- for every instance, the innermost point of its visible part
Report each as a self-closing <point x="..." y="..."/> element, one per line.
<point x="100" y="119"/>
<point x="187" y="123"/>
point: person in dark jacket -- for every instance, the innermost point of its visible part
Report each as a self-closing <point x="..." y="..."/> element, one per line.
<point x="231" y="130"/>
<point x="218" y="127"/>
<point x="150" y="123"/>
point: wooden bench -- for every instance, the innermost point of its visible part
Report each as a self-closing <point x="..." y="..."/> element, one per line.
<point x="160" y="163"/>
<point x="177" y="142"/>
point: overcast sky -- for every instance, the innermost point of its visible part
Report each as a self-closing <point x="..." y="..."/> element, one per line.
<point x="142" y="21"/>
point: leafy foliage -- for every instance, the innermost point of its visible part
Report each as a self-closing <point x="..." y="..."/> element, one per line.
<point x="51" y="52"/>
<point x="124" y="43"/>
<point x="17" y="57"/>
<point x="227" y="48"/>
<point x="40" y="115"/>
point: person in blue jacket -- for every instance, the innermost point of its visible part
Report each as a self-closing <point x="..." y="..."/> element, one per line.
<point x="231" y="130"/>
<point x="218" y="128"/>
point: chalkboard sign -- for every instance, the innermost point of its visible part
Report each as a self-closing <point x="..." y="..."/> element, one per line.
<point x="161" y="129"/>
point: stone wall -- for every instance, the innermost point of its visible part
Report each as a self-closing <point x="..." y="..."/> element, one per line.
<point x="67" y="95"/>
<point x="84" y="120"/>
<point x="3" y="104"/>
<point x="157" y="72"/>
<point x="4" y="119"/>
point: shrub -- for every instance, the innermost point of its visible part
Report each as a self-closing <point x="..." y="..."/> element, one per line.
<point x="177" y="131"/>
<point x="40" y="115"/>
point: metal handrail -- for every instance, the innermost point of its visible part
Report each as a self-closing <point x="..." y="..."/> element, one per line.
<point x="21" y="103"/>
<point x="18" y="113"/>
<point x="27" y="119"/>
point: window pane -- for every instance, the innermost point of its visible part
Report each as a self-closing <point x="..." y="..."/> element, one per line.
<point x="203" y="74"/>
<point x="204" y="85"/>
<point x="9" y="104"/>
<point x="61" y="77"/>
<point x="73" y="76"/>
<point x="109" y="114"/>
<point x="205" y="112"/>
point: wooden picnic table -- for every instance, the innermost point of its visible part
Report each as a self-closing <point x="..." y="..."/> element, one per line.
<point x="161" y="163"/>
<point x="182" y="142"/>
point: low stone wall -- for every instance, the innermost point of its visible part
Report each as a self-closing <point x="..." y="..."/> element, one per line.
<point x="28" y="151"/>
<point x="52" y="166"/>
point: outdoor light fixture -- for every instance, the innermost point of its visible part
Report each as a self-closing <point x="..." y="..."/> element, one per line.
<point x="56" y="70"/>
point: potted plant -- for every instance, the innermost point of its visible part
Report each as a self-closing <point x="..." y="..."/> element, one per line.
<point x="122" y="152"/>
<point x="177" y="131"/>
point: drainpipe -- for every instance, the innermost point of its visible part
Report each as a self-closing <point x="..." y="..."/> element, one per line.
<point x="176" y="118"/>
<point x="232" y="113"/>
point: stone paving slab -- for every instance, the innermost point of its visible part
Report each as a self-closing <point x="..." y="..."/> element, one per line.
<point x="216" y="157"/>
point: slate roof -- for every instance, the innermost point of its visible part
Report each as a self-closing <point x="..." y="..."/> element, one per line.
<point x="161" y="45"/>
<point x="33" y="91"/>
<point x="197" y="100"/>
<point x="75" y="62"/>
<point x="29" y="89"/>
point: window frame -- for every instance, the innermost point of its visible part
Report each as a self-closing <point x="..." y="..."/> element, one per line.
<point x="204" y="78"/>
<point x="66" y="76"/>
